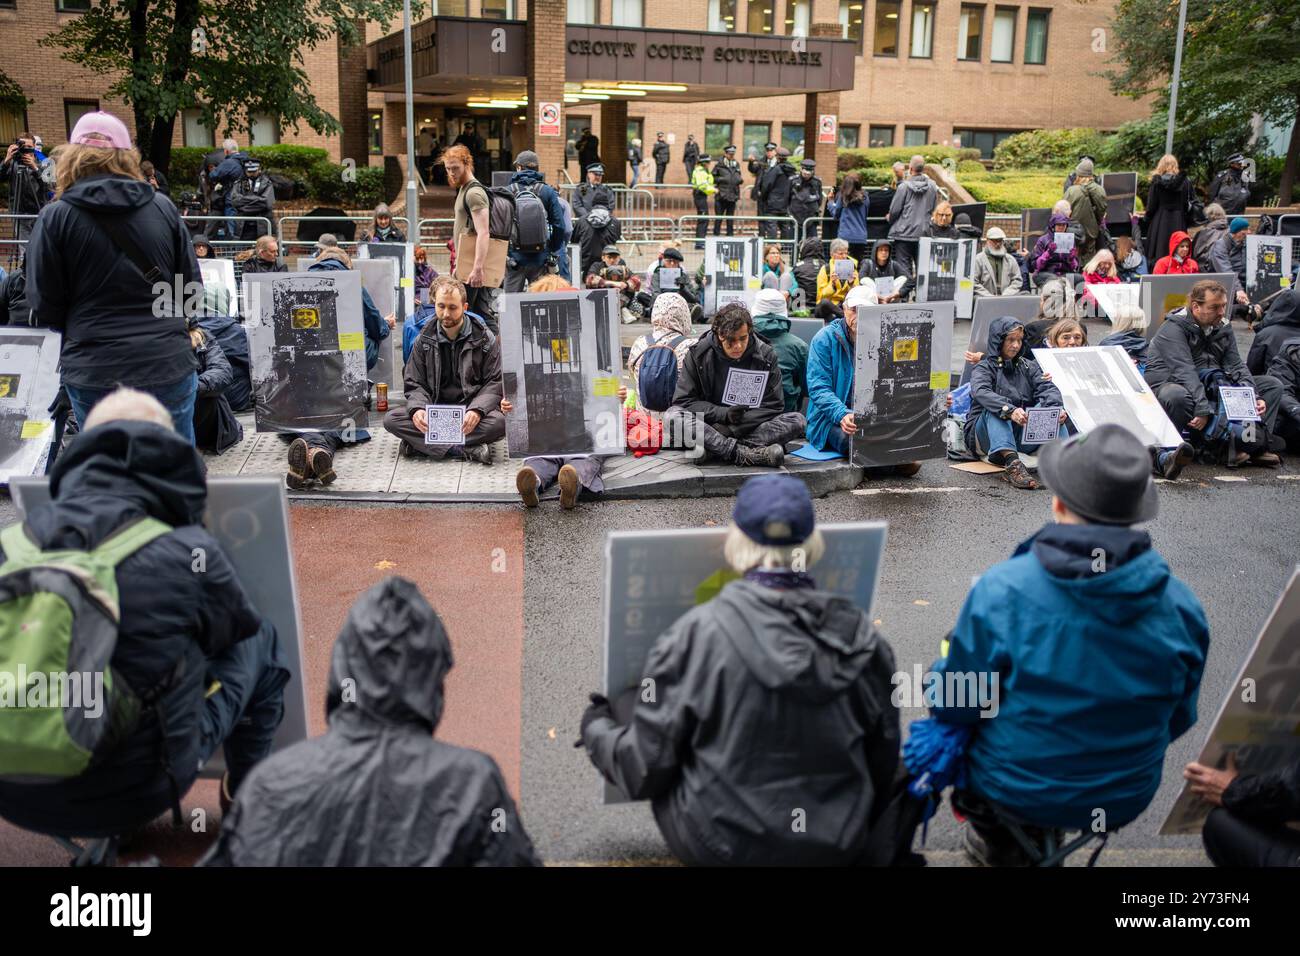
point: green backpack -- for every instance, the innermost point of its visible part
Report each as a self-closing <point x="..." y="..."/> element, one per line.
<point x="62" y="708"/>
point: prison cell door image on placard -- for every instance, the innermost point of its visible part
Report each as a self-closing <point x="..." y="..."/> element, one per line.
<point x="552" y="333"/>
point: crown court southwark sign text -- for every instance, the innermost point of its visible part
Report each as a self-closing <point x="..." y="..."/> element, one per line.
<point x="694" y="52"/>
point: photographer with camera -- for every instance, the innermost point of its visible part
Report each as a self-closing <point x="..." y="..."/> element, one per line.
<point x="611" y="272"/>
<point x="27" y="193"/>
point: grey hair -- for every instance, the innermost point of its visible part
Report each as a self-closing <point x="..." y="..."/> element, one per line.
<point x="1062" y="208"/>
<point x="229" y="145"/>
<point x="1214" y="211"/>
<point x="839" y="245"/>
<point x="127" y="404"/>
<point x="743" y="552"/>
<point x="1129" y="318"/>
<point x="917" y="164"/>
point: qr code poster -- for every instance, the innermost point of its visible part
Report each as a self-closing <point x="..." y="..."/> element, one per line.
<point x="744" y="388"/>
<point x="446" y="424"/>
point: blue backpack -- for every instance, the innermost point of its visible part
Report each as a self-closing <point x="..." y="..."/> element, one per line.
<point x="656" y="376"/>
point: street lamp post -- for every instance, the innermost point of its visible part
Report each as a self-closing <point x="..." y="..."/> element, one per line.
<point x="1178" y="69"/>
<point x="412" y="196"/>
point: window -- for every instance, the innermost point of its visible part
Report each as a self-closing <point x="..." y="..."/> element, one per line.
<point x="376" y="132"/>
<point x="757" y="136"/>
<point x="798" y="14"/>
<point x="851" y="20"/>
<point x="849" y="137"/>
<point x="12" y="122"/>
<point x="8" y="5"/>
<point x="922" y="30"/>
<point x="193" y="132"/>
<point x="264" y="130"/>
<point x="916" y="135"/>
<point x="74" y="110"/>
<point x="450" y="8"/>
<point x="722" y="15"/>
<point x="880" y="136"/>
<point x="583" y="11"/>
<point x="498" y="10"/>
<point x="629" y="13"/>
<point x="1003" y="49"/>
<point x="888" y="13"/>
<point x="970" y="32"/>
<point x="792" y="137"/>
<point x="717" y="137"/>
<point x="72" y="6"/>
<point x="984" y="140"/>
<point x="1036" y="36"/>
<point x="762" y="16"/>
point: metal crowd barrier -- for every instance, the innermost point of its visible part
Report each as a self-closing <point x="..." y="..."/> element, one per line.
<point x="265" y="226"/>
<point x="649" y="228"/>
<point x="13" y="243"/>
<point x="780" y="227"/>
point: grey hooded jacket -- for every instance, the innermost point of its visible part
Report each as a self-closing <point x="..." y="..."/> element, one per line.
<point x="909" y="211"/>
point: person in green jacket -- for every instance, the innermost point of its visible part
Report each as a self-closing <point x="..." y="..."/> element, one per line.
<point x="773" y="324"/>
<point x="1087" y="207"/>
<point x="702" y="188"/>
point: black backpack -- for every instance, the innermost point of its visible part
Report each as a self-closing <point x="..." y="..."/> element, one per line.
<point x="501" y="210"/>
<point x="532" y="227"/>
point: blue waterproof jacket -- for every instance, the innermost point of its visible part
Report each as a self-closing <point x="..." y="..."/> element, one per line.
<point x="1098" y="672"/>
<point x="830" y="382"/>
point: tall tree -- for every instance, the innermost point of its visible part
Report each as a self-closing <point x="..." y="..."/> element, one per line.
<point x="231" y="59"/>
<point x="1241" y="58"/>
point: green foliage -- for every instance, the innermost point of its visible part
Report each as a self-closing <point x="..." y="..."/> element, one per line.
<point x="290" y="160"/>
<point x="874" y="175"/>
<point x="185" y="163"/>
<point x="325" y="184"/>
<point x="971" y="166"/>
<point x="1047" y="148"/>
<point x="11" y="94"/>
<point x="324" y="180"/>
<point x="886" y="156"/>
<point x="1012" y="192"/>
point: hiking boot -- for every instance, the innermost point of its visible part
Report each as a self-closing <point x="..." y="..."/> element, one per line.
<point x="1237" y="459"/>
<point x="907" y="469"/>
<point x="298" y="475"/>
<point x="771" y="456"/>
<point x="569" y="485"/>
<point x="479" y="453"/>
<point x="1173" y="462"/>
<point x="527" y="482"/>
<point x="1019" y="476"/>
<point x="322" y="465"/>
<point x="982" y="852"/>
<point x="1266" y="459"/>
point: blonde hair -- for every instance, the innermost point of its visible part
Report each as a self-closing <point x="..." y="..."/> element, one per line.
<point x="1060" y="328"/>
<point x="743" y="552"/>
<point x="196" y="338"/>
<point x="73" y="163"/>
<point x="1129" y="318"/>
<point x="549" y="283"/>
<point x="263" y="242"/>
<point x="128" y="405"/>
<point x="944" y="210"/>
<point x="1168" y="164"/>
<point x="1101" y="256"/>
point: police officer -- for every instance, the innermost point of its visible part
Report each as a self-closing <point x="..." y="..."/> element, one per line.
<point x="727" y="177"/>
<point x="806" y="197"/>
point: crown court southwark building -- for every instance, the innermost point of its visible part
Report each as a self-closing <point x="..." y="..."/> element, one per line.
<point x="890" y="72"/>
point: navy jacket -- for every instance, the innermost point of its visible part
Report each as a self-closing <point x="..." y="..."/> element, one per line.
<point x="996" y="383"/>
<point x="526" y="178"/>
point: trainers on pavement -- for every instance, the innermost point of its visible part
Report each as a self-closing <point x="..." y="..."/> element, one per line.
<point x="1173" y="462"/>
<point x="479" y="453"/>
<point x="569" y="485"/>
<point x="526" y="481"/>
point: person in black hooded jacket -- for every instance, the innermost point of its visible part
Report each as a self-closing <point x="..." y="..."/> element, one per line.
<point x="1285" y="367"/>
<point x="179" y="631"/>
<point x="313" y="804"/>
<point x="118" y="327"/>
<point x="1280" y="324"/>
<point x="812" y="257"/>
<point x="882" y="264"/>
<point x="215" y="425"/>
<point x="771" y="698"/>
<point x="1248" y="825"/>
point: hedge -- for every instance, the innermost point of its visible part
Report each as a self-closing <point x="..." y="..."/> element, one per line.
<point x="308" y="164"/>
<point x="1049" y="148"/>
<point x="1012" y="192"/>
<point x="886" y="156"/>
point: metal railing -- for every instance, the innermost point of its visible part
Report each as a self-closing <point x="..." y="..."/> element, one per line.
<point x="775" y="227"/>
<point x="14" y="229"/>
<point x="211" y="223"/>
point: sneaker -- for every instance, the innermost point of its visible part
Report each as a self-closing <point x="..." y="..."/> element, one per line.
<point x="527" y="482"/>
<point x="1237" y="460"/>
<point x="1019" y="476"/>
<point x="771" y="456"/>
<point x="479" y="453"/>
<point x="1173" y="462"/>
<point x="907" y="469"/>
<point x="1266" y="459"/>
<point x="569" y="485"/>
<point x="298" y="475"/>
<point x="322" y="465"/>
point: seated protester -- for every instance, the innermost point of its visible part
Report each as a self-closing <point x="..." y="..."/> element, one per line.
<point x="228" y="333"/>
<point x="885" y="270"/>
<point x="812" y="256"/>
<point x="941" y="226"/>
<point x="301" y="807"/>
<point x="686" y="286"/>
<point x="1098" y="663"/>
<point x="311" y="454"/>
<point x="263" y="257"/>
<point x="772" y="323"/>
<point x="831" y="422"/>
<point x="732" y="433"/>
<point x="964" y="228"/>
<point x="1047" y="260"/>
<point x="216" y="297"/>
<point x="194" y="640"/>
<point x="1179" y="261"/>
<point x="1003" y="384"/>
<point x="774" y="695"/>
<point x="1194" y="352"/>
<point x="1228" y="255"/>
<point x="202" y="247"/>
<point x="382" y="228"/>
<point x="593" y="233"/>
<point x="1280" y="324"/>
<point x="1067" y="334"/>
<point x="670" y="326"/>
<point x="1055" y="302"/>
<point x="997" y="272"/>
<point x="1100" y="270"/>
<point x="572" y="472"/>
<point x="14" y="309"/>
<point x="611" y="272"/>
<point x="1128" y="331"/>
<point x="775" y="274"/>
<point x="1215" y="228"/>
<point x="834" y="281"/>
<point x="1285" y="367"/>
<point x="424" y="274"/>
<point x="455" y="361"/>
<point x="1252" y="823"/>
<point x="1131" y="264"/>
<point x="215" y="425"/>
<point x="252" y="196"/>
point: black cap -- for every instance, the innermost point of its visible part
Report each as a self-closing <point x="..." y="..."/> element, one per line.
<point x="774" y="510"/>
<point x="610" y="250"/>
<point x="674" y="254"/>
<point x="809" y="164"/>
<point x="1103" y="476"/>
<point x="706" y="158"/>
<point x="598" y="168"/>
<point x="1236" y="159"/>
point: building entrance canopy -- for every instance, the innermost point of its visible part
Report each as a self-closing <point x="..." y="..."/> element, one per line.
<point x="455" y="58"/>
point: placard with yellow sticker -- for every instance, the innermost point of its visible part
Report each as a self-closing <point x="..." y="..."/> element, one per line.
<point x="352" y="341"/>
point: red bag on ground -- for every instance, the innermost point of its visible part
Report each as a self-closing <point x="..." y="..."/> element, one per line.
<point x="645" y="434"/>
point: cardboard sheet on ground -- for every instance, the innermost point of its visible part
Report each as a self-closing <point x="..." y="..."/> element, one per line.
<point x="943" y="273"/>
<point x="977" y="467"/>
<point x="1100" y="384"/>
<point x="249" y="517"/>
<point x="654" y="577"/>
<point x="1268" y="265"/>
<point x="29" y="381"/>
<point x="221" y="272"/>
<point x="1160" y="295"/>
<point x="1121" y="197"/>
<point x="729" y="264"/>
<point x="307" y="347"/>
<point x="1258" y="720"/>
<point x="900" y="382"/>
<point x="986" y="309"/>
<point x="561" y="364"/>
